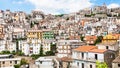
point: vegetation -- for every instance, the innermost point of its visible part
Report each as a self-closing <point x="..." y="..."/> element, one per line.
<point x="5" y="52"/>
<point x="59" y="15"/>
<point x="41" y="50"/>
<point x="31" y="24"/>
<point x="101" y="65"/>
<point x="23" y="61"/>
<point x="17" y="66"/>
<point x="98" y="40"/>
<point x="49" y="53"/>
<point x="20" y="53"/>
<point x="82" y="38"/>
<point x="35" y="56"/>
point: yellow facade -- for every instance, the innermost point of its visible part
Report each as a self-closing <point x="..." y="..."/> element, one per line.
<point x="34" y="34"/>
<point x="109" y="38"/>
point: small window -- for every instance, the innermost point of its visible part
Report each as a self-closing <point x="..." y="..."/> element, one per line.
<point x="82" y="55"/>
<point x="107" y="47"/>
<point x="90" y="66"/>
<point x="96" y="57"/>
<point x="15" y="62"/>
<point x="77" y="63"/>
<point x="3" y="62"/>
<point x="82" y="65"/>
<point x="118" y="65"/>
<point x="40" y="62"/>
<point x="10" y="61"/>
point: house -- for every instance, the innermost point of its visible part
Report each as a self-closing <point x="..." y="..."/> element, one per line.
<point x="116" y="62"/>
<point x="110" y="42"/>
<point x="7" y="61"/>
<point x="90" y="40"/>
<point x="64" y="47"/>
<point x="45" y="62"/>
<point x="47" y="34"/>
<point x="65" y="62"/>
<point x="29" y="48"/>
<point x="86" y="56"/>
<point x="18" y="33"/>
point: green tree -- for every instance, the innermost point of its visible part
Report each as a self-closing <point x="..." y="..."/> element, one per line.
<point x="20" y="53"/>
<point x="41" y="50"/>
<point x="5" y="52"/>
<point x="101" y="65"/>
<point x="31" y="24"/>
<point x="17" y="66"/>
<point x="13" y="52"/>
<point x="98" y="40"/>
<point x="23" y="61"/>
<point x="35" y="56"/>
<point x="82" y="38"/>
<point x="49" y="53"/>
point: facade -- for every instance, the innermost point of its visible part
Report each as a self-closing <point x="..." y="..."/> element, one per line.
<point x="45" y="62"/>
<point x="64" y="47"/>
<point x="116" y="62"/>
<point x="29" y="48"/>
<point x="47" y="34"/>
<point x="6" y="61"/>
<point x="90" y="40"/>
<point x="2" y="34"/>
<point x="86" y="56"/>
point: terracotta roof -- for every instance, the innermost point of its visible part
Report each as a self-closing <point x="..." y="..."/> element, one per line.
<point x="116" y="60"/>
<point x="66" y="59"/>
<point x="88" y="38"/>
<point x="98" y="50"/>
<point x="85" y="48"/>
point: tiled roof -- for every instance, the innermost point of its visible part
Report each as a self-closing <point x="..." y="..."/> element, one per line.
<point x="88" y="38"/>
<point x="98" y="50"/>
<point x="85" y="48"/>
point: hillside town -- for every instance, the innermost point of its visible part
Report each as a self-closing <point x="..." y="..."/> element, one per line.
<point x="89" y="38"/>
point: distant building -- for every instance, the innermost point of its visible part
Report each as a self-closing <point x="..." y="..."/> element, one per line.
<point x="7" y="61"/>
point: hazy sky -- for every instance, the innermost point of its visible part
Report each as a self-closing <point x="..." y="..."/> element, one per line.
<point x="54" y="6"/>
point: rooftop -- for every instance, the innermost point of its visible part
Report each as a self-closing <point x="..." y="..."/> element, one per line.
<point x="98" y="50"/>
<point x="85" y="48"/>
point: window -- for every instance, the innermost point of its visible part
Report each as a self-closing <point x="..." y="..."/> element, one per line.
<point x="40" y="62"/>
<point x="10" y="61"/>
<point x="118" y="65"/>
<point x="3" y="62"/>
<point x="77" y="63"/>
<point x="82" y="55"/>
<point x="96" y="57"/>
<point x="82" y="65"/>
<point x="15" y="62"/>
<point x="107" y="47"/>
<point x="90" y="66"/>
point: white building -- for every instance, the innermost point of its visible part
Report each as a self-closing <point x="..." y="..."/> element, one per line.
<point x="45" y="62"/>
<point x="86" y="56"/>
<point x="7" y="61"/>
<point x="29" y="48"/>
<point x="7" y="45"/>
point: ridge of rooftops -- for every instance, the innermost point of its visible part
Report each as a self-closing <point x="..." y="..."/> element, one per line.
<point x="87" y="48"/>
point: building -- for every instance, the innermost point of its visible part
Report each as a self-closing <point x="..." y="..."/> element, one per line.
<point x="2" y="34"/>
<point x="47" y="34"/>
<point x="116" y="62"/>
<point x="90" y="40"/>
<point x="7" y="61"/>
<point x="45" y="62"/>
<point x="18" y="33"/>
<point x="64" y="47"/>
<point x="29" y="48"/>
<point x="86" y="56"/>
